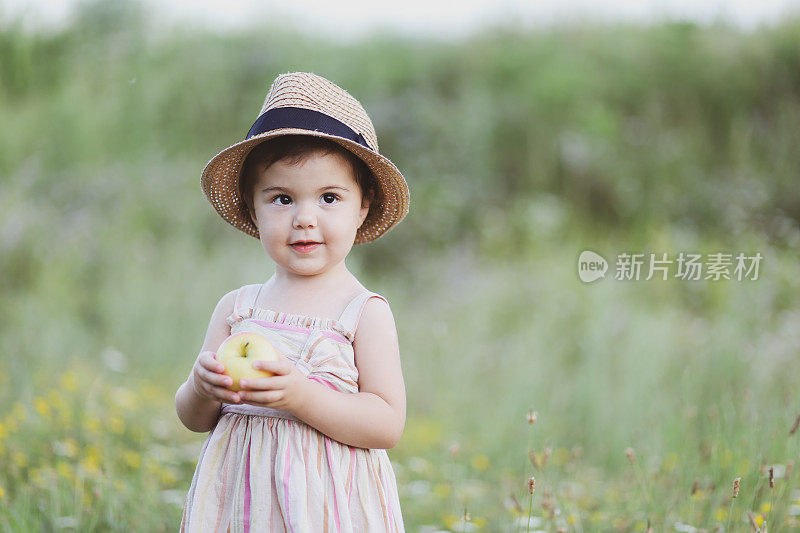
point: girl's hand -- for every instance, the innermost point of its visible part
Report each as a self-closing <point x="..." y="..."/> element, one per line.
<point x="286" y="390"/>
<point x="209" y="382"/>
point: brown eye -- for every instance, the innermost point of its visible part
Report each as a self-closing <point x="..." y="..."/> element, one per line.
<point x="329" y="195"/>
<point x="282" y="196"/>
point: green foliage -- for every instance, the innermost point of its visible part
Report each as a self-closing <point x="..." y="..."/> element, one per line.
<point x="628" y="126"/>
<point x="520" y="149"/>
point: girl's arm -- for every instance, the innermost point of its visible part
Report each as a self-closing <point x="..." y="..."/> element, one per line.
<point x="375" y="416"/>
<point x="195" y="412"/>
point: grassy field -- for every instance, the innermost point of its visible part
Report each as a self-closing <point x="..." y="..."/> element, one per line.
<point x="702" y="396"/>
<point x="650" y="397"/>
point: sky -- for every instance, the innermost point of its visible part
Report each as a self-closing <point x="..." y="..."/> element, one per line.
<point x="348" y="20"/>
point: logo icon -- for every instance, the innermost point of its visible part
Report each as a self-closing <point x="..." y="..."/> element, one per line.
<point x="591" y="266"/>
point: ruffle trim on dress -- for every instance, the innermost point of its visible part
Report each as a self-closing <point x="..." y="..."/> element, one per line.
<point x="278" y="317"/>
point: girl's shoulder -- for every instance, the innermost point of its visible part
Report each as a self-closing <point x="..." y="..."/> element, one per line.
<point x="371" y="310"/>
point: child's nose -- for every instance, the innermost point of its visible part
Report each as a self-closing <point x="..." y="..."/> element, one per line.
<point x="305" y="216"/>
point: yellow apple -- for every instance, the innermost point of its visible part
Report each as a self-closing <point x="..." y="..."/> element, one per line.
<point x="240" y="350"/>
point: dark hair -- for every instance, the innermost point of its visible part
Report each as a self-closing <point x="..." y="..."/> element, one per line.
<point x="296" y="149"/>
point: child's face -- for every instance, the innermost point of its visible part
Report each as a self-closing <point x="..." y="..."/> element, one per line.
<point x="317" y="200"/>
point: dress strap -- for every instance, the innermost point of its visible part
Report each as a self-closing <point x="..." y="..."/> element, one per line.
<point x="243" y="299"/>
<point x="258" y="293"/>
<point x="238" y="303"/>
<point x="352" y="313"/>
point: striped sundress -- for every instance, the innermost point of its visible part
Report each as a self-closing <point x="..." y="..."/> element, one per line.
<point x="262" y="469"/>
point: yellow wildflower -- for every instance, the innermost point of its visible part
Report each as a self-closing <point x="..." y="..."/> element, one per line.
<point x="480" y="461"/>
<point x="451" y="520"/>
<point x="56" y="400"/>
<point x="561" y="456"/>
<point x="478" y="521"/>
<point x="123" y="398"/>
<point x="138" y="433"/>
<point x="20" y="459"/>
<point x="91" y="465"/>
<point x="441" y="490"/>
<point x="92" y="451"/>
<point x="116" y="425"/>
<point x="151" y="465"/>
<point x="41" y="406"/>
<point x="132" y="459"/>
<point x="64" y="470"/>
<point x="65" y="418"/>
<point x="422" y="433"/>
<point x="670" y="462"/>
<point x="168" y="477"/>
<point x="91" y="459"/>
<point x="19" y="411"/>
<point x="152" y="393"/>
<point x="37" y="476"/>
<point x="93" y="425"/>
<point x="69" y="381"/>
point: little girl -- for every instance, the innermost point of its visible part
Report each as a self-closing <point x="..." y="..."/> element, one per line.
<point x="303" y="450"/>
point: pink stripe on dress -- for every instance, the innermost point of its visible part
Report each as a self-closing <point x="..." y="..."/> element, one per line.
<point x="247" y="491"/>
<point x="323" y="381"/>
<point x="350" y="474"/>
<point x="386" y="490"/>
<point x="281" y="325"/>
<point x="330" y="465"/>
<point x="225" y="469"/>
<point x="286" y="488"/>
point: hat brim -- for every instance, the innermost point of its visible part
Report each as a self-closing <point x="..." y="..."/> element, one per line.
<point x="220" y="184"/>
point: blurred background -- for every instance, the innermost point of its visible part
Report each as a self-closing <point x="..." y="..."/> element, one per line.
<point x="527" y="132"/>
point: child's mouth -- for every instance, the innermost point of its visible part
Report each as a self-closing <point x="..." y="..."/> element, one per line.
<point x="305" y="247"/>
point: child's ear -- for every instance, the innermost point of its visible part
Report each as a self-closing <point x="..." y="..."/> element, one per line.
<point x="252" y="215"/>
<point x="364" y="211"/>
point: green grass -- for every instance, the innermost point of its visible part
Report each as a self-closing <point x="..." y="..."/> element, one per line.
<point x="703" y="394"/>
<point x="617" y="139"/>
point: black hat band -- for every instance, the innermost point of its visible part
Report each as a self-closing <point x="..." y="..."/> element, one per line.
<point x="306" y="119"/>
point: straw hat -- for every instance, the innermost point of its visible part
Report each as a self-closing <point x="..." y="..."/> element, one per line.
<point x="308" y="104"/>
